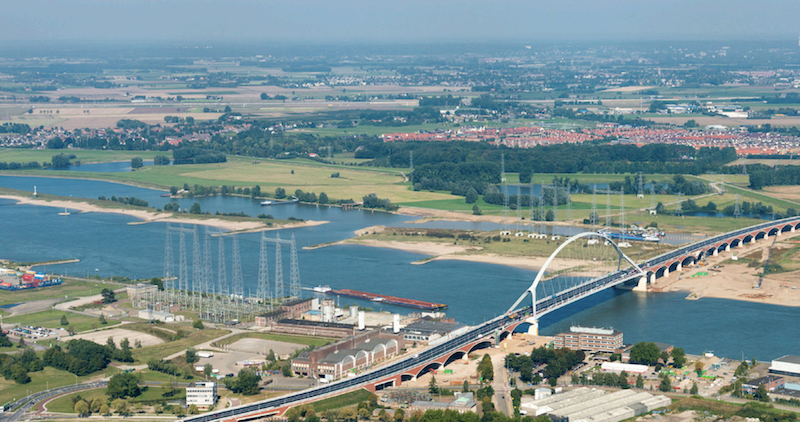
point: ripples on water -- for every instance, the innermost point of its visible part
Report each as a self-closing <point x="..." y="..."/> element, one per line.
<point x="473" y="291"/>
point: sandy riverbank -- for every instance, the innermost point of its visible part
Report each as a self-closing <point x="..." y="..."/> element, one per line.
<point x="162" y="217"/>
<point x="735" y="280"/>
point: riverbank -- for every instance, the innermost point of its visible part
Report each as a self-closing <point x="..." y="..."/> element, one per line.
<point x="238" y="226"/>
<point x="727" y="278"/>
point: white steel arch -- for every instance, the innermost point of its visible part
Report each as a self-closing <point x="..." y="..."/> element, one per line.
<point x="543" y="270"/>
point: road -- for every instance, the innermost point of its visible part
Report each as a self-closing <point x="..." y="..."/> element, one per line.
<point x="502" y="392"/>
<point x="36" y="398"/>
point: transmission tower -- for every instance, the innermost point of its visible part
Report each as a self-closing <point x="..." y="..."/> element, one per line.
<point x="294" y="271"/>
<point x="330" y="152"/>
<point x="222" y="277"/>
<point x="722" y="183"/>
<point x="679" y="208"/>
<point x="278" y="271"/>
<point x="183" y="273"/>
<point x="541" y="210"/>
<point x="519" y="208"/>
<point x="263" y="291"/>
<point x="555" y="205"/>
<point x="505" y="189"/>
<point x="533" y="210"/>
<point x="608" y="208"/>
<point x="641" y="186"/>
<point x="411" y="160"/>
<point x="622" y="211"/>
<point x="169" y="270"/>
<point x="736" y="210"/>
<point x="653" y="198"/>
<point x="207" y="271"/>
<point x="569" y="204"/>
<point x="744" y="165"/>
<point x="593" y="215"/>
<point x="197" y="270"/>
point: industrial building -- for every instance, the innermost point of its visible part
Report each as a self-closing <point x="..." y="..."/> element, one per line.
<point x="430" y="332"/>
<point x="786" y="365"/>
<point x="589" y="405"/>
<point x="353" y="353"/>
<point x="153" y="315"/>
<point x="202" y="394"/>
<point x="464" y="402"/>
<point x="313" y="328"/>
<point x="770" y="382"/>
<point x="589" y="339"/>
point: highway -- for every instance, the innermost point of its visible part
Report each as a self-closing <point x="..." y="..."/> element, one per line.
<point x="543" y="306"/>
<point x="24" y="404"/>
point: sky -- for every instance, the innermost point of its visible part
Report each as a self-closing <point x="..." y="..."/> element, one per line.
<point x="434" y="21"/>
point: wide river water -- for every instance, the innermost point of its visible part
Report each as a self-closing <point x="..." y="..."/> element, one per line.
<point x="107" y="245"/>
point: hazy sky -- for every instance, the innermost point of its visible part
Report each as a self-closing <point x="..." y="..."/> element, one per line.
<point x="399" y="20"/>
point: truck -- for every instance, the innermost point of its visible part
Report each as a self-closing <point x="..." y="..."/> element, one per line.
<point x="204" y="354"/>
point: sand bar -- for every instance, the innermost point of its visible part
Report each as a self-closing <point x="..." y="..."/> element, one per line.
<point x="162" y="217"/>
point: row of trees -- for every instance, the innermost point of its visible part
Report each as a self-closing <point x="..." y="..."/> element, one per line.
<point x="128" y="200"/>
<point x="558" y="362"/>
<point x="84" y="357"/>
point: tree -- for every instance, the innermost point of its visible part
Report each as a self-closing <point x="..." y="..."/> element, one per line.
<point x="323" y="198"/>
<point x="383" y="416"/>
<point x="82" y="408"/>
<point x="348" y="414"/>
<point x="363" y="413"/>
<point x="64" y="320"/>
<point x="271" y="355"/>
<point x="639" y="381"/>
<point x="173" y="190"/>
<point x="665" y="357"/>
<point x="286" y="370"/>
<point x="191" y="356"/>
<point x="193" y="409"/>
<point x="264" y="96"/>
<point x="280" y="193"/>
<point x="665" y="384"/>
<point x="97" y="404"/>
<point x="761" y="394"/>
<point x="698" y="367"/>
<point x="102" y="319"/>
<point x="208" y="369"/>
<point x="476" y="210"/>
<point x="549" y="215"/>
<point x="198" y="324"/>
<point x="465" y="387"/>
<point x="21" y="343"/>
<point x="432" y="386"/>
<point x="227" y="109"/>
<point x="121" y="386"/>
<point x="195" y="209"/>
<point x="104" y="410"/>
<point x="157" y="282"/>
<point x="136" y="162"/>
<point x="678" y="357"/>
<point x="248" y="382"/>
<point x="256" y="192"/>
<point x="108" y="296"/>
<point x="694" y="388"/>
<point x="472" y="196"/>
<point x="399" y="415"/>
<point x="60" y="161"/>
<point x="645" y="353"/>
<point x="486" y="369"/>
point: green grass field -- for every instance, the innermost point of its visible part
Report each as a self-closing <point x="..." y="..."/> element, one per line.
<point x="19" y="155"/>
<point x="163" y="350"/>
<point x="51" y="318"/>
<point x="46" y="378"/>
<point x="348" y="399"/>
<point x="306" y="341"/>
<point x="70" y="289"/>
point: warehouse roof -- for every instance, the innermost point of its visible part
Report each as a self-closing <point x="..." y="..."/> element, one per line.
<point x="788" y="359"/>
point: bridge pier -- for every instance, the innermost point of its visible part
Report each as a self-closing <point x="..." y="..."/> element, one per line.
<point x="778" y="233"/>
<point x="716" y="252"/>
<point x="752" y="240"/>
<point x="791" y="230"/>
<point x="679" y="267"/>
<point x="652" y="278"/>
<point x="642" y="286"/>
<point x="534" y="328"/>
<point x="666" y="272"/>
<point x="728" y="248"/>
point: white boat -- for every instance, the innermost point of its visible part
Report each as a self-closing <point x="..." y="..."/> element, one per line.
<point x="266" y="203"/>
<point x="321" y="289"/>
<point x="378" y="299"/>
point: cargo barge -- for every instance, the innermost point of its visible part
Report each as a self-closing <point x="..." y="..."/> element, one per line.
<point x="411" y="303"/>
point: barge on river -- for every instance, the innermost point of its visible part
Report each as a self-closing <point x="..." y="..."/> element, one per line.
<point x="400" y="301"/>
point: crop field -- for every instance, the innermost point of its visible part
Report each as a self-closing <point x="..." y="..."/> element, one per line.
<point x="19" y="155"/>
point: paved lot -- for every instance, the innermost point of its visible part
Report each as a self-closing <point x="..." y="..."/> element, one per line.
<point x="100" y="337"/>
<point x="262" y="347"/>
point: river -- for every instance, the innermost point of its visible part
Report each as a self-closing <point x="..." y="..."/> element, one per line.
<point x="107" y="245"/>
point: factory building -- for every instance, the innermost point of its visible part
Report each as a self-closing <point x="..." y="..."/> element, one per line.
<point x="786" y="365"/>
<point x="770" y="382"/>
<point x="464" y="402"/>
<point x="431" y="332"/>
<point x="351" y="354"/>
<point x="583" y="404"/>
<point x="589" y="339"/>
